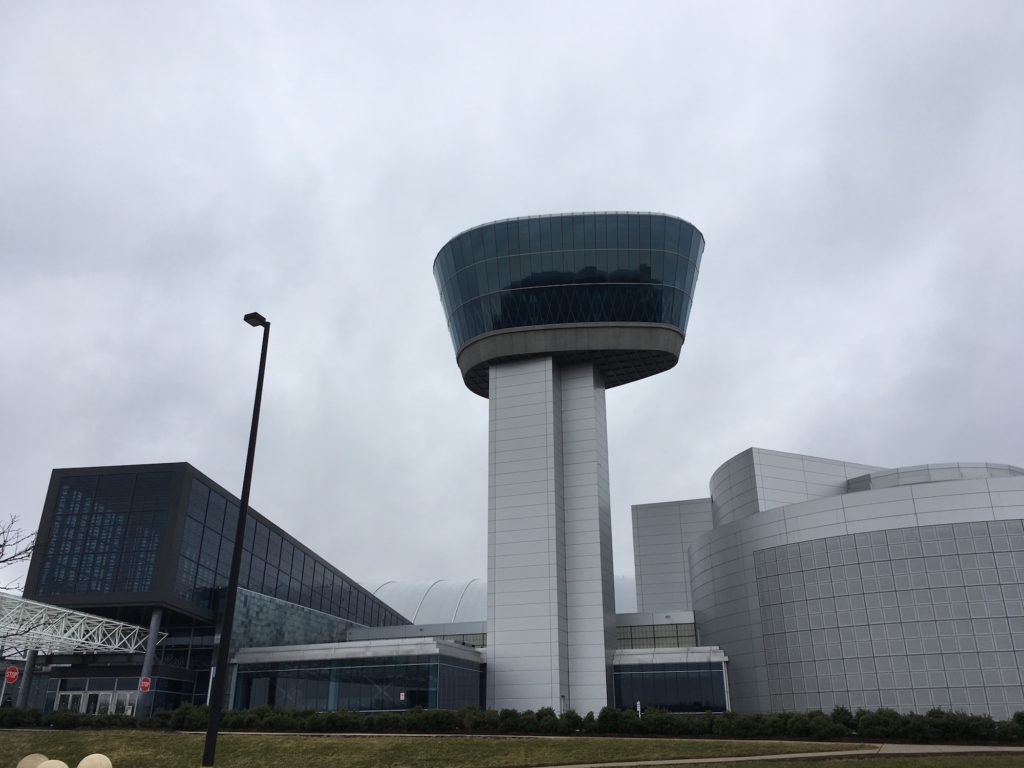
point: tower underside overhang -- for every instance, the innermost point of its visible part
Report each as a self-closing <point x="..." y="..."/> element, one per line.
<point x="621" y="352"/>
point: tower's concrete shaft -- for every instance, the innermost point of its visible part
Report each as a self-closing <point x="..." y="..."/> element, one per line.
<point x="550" y="594"/>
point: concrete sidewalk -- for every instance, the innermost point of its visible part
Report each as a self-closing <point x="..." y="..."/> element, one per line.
<point x="882" y="750"/>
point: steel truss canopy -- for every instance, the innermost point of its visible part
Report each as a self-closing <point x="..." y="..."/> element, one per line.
<point x="49" y="630"/>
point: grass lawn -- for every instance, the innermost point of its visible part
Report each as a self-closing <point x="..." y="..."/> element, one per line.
<point x="969" y="760"/>
<point x="158" y="749"/>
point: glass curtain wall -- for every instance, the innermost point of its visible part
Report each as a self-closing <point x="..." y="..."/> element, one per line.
<point x="683" y="687"/>
<point x="376" y="684"/>
<point x="272" y="564"/>
<point x="106" y="534"/>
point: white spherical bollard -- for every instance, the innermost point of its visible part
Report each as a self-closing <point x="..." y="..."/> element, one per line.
<point x="53" y="764"/>
<point x="32" y="761"/>
<point x="95" y="760"/>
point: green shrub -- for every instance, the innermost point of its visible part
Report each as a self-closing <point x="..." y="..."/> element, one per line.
<point x="63" y="720"/>
<point x="547" y="721"/>
<point x="618" y="721"/>
<point x="20" y="718"/>
<point x="822" y="727"/>
<point x="693" y="724"/>
<point x="1009" y="730"/>
<point x="944" y="725"/>
<point x="433" y="720"/>
<point x="660" y="722"/>
<point x="108" y="721"/>
<point x="526" y="722"/>
<point x="1012" y="729"/>
<point x="511" y="721"/>
<point x="188" y="717"/>
<point x="159" y="720"/>
<point x="732" y="725"/>
<point x="880" y="724"/>
<point x="844" y="717"/>
<point x="813" y="725"/>
<point x="570" y="722"/>
<point x="285" y="720"/>
<point x="936" y="725"/>
<point x="476" y="720"/>
<point x="385" y="722"/>
<point x="245" y="719"/>
<point x="346" y="721"/>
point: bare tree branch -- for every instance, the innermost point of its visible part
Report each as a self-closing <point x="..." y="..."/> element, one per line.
<point x="15" y="547"/>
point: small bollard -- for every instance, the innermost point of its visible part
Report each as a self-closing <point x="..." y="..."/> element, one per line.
<point x="95" y="760"/>
<point x="32" y="761"/>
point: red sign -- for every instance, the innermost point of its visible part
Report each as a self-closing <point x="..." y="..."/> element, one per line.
<point x="144" y="684"/>
<point x="11" y="675"/>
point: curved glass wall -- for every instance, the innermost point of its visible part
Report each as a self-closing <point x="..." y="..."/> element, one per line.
<point x="571" y="268"/>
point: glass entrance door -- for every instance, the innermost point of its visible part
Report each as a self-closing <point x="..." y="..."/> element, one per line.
<point x="124" y="704"/>
<point x="69" y="702"/>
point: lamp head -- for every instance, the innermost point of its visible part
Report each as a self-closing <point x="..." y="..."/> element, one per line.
<point x="255" y="319"/>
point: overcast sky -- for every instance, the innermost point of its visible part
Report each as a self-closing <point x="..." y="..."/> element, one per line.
<point x="856" y="169"/>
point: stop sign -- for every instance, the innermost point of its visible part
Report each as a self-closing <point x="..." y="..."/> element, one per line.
<point x="144" y="684"/>
<point x="11" y="675"/>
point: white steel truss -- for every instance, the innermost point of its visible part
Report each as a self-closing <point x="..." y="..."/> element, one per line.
<point x="28" y="625"/>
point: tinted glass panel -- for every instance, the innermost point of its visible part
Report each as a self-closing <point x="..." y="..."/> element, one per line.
<point x="569" y="269"/>
<point x="106" y="534"/>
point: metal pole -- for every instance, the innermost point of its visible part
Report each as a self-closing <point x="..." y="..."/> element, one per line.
<point x="220" y="676"/>
<point x="26" y="680"/>
<point x="144" y="701"/>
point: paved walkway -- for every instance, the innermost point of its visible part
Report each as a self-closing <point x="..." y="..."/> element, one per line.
<point x="869" y="750"/>
<point x="872" y="750"/>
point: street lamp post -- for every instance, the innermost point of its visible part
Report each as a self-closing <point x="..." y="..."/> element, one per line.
<point x="219" y="672"/>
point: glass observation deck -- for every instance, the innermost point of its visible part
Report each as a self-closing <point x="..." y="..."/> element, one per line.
<point x="575" y="271"/>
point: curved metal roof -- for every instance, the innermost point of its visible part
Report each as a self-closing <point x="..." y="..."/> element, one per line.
<point x="436" y="602"/>
<point x="449" y="602"/>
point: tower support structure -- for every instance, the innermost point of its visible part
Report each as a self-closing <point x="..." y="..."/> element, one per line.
<point x="550" y="595"/>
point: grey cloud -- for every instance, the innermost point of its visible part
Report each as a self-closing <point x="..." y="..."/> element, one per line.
<point x="855" y="169"/>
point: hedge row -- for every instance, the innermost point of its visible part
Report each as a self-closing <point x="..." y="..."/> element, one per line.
<point x="936" y="725"/>
<point x="34" y="718"/>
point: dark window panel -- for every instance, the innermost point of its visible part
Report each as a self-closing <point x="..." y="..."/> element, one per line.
<point x="260" y="539"/>
<point x="230" y="521"/>
<point x="215" y="513"/>
<point x="250" y="533"/>
<point x="287" y="551"/>
<point x="274" y="548"/>
<point x="210" y="549"/>
<point x="151" y="491"/>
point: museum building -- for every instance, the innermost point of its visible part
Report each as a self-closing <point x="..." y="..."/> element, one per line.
<point x="798" y="583"/>
<point x="151" y="545"/>
<point x="830" y="583"/>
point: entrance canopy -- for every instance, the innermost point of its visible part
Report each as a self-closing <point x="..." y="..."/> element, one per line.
<point x="26" y="625"/>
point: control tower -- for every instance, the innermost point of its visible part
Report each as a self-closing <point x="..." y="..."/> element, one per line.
<point x="545" y="313"/>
